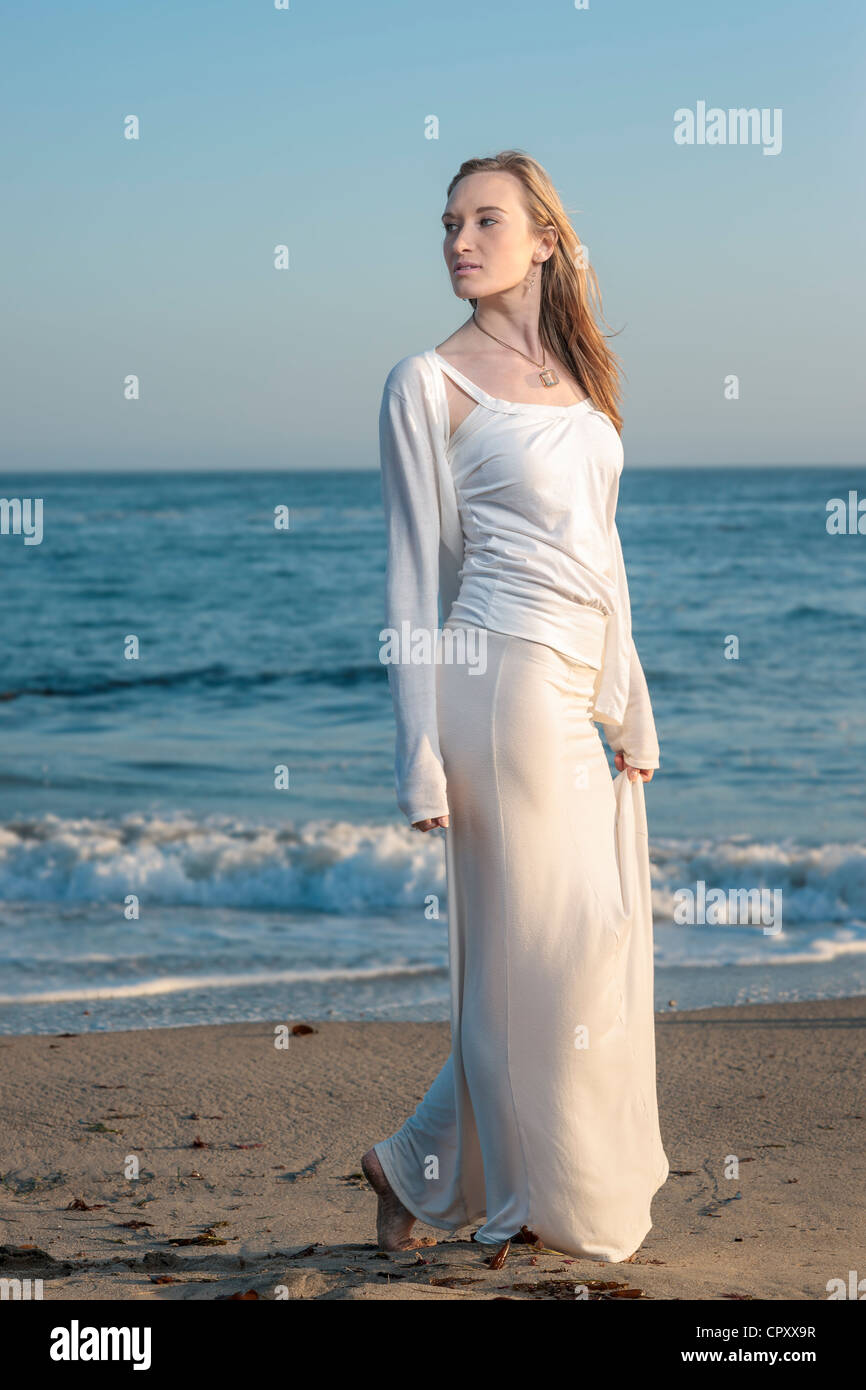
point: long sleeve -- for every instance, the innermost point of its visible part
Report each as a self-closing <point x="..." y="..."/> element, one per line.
<point x="635" y="736"/>
<point x="410" y="498"/>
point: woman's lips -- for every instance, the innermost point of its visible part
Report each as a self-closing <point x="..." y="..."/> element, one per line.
<point x="466" y="269"/>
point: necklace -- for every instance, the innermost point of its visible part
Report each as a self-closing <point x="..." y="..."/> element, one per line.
<point x="547" y="375"/>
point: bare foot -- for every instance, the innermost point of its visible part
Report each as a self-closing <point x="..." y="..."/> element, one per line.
<point x="526" y="1237"/>
<point x="393" y="1221"/>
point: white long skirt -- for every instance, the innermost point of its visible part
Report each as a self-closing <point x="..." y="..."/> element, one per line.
<point x="545" y="1114"/>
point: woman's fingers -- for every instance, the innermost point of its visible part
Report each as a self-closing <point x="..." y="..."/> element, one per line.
<point x="430" y="824"/>
<point x="645" y="773"/>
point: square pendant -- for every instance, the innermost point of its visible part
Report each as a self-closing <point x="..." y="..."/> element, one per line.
<point x="548" y="377"/>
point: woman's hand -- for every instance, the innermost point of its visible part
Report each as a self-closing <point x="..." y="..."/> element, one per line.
<point x="645" y="773"/>
<point x="431" y="824"/>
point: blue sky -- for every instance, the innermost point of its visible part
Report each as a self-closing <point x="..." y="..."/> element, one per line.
<point x="306" y="127"/>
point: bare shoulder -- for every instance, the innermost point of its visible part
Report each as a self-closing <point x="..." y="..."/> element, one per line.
<point x="454" y="350"/>
<point x="459" y="345"/>
<point x="508" y="376"/>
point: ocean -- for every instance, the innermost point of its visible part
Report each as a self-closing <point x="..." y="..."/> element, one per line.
<point x="154" y="871"/>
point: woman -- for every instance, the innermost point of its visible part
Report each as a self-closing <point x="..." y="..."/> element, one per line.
<point x="501" y="458"/>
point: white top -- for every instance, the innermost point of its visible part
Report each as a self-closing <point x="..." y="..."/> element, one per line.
<point x="536" y="487"/>
<point x="510" y="523"/>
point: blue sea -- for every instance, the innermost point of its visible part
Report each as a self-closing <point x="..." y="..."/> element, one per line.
<point x="165" y="648"/>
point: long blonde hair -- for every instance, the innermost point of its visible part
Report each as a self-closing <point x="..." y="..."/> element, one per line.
<point x="567" y="321"/>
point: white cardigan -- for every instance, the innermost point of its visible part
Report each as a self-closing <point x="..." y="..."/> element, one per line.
<point x="424" y="557"/>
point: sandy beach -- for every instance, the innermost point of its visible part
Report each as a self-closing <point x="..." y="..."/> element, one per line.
<point x="248" y="1161"/>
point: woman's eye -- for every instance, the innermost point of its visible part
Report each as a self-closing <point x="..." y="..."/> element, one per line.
<point x="449" y="225"/>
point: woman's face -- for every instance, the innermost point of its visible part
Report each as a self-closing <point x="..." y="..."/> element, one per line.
<point x="487" y="229"/>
